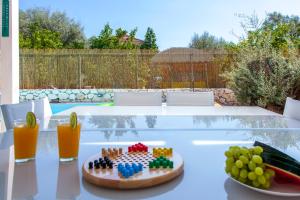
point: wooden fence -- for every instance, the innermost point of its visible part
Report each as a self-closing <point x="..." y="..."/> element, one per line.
<point x="111" y="69"/>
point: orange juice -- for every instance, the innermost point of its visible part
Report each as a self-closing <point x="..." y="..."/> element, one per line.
<point x="25" y="141"/>
<point x="68" y="141"/>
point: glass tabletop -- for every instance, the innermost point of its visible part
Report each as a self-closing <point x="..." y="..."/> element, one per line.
<point x="202" y="151"/>
<point x="159" y="122"/>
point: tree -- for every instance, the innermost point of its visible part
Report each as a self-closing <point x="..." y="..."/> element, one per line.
<point x="150" y="40"/>
<point x="284" y="31"/>
<point x="105" y="40"/>
<point x="54" y="26"/>
<point x="207" y="41"/>
<point x="108" y="40"/>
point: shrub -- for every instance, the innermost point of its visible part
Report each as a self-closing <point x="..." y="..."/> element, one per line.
<point x="264" y="76"/>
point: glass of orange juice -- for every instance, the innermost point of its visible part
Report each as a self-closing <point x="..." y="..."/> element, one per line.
<point x="25" y="141"/>
<point x="68" y="136"/>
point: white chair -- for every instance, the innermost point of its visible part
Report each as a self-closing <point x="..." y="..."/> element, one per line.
<point x="292" y="108"/>
<point x="42" y="108"/>
<point x="43" y="112"/>
<point x="190" y="98"/>
<point x="11" y="112"/>
<point x="141" y="98"/>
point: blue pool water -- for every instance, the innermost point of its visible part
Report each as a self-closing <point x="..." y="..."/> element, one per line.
<point x="59" y="107"/>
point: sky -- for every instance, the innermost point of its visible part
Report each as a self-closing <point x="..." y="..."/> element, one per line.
<point x="174" y="21"/>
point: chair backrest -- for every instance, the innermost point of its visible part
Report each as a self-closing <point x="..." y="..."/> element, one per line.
<point x="140" y="98"/>
<point x="292" y="108"/>
<point x="11" y="112"/>
<point x="42" y="108"/>
<point x="190" y="98"/>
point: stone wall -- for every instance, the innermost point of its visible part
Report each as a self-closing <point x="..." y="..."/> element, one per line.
<point x="223" y="96"/>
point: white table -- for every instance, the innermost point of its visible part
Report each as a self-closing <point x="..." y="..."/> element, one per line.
<point x="203" y="178"/>
<point x="168" y="110"/>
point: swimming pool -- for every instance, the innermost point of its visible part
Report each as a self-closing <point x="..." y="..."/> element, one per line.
<point x="59" y="107"/>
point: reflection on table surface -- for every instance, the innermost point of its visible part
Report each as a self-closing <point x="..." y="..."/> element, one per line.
<point x="24" y="181"/>
<point x="177" y="122"/>
<point x="203" y="153"/>
<point x="68" y="185"/>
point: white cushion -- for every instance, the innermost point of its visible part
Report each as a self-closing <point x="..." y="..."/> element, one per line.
<point x="42" y="108"/>
<point x="292" y="108"/>
<point x="137" y="98"/>
<point x="13" y="112"/>
<point x="190" y="98"/>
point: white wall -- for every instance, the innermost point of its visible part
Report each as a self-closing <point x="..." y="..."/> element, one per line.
<point x="9" y="57"/>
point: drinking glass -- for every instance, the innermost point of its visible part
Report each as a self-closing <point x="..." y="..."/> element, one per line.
<point x="68" y="141"/>
<point x="25" y="141"/>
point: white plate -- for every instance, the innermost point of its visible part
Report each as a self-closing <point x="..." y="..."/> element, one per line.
<point x="276" y="189"/>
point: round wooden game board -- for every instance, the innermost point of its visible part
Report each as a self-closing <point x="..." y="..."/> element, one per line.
<point x="110" y="178"/>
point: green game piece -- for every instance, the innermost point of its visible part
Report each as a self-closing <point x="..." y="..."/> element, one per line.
<point x="151" y="165"/>
<point x="171" y="165"/>
<point x="160" y="162"/>
<point x="165" y="164"/>
<point x="168" y="162"/>
<point x="156" y="163"/>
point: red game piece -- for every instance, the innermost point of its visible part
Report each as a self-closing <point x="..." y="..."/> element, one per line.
<point x="139" y="147"/>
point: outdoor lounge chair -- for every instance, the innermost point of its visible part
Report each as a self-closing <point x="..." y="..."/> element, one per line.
<point x="190" y="99"/>
<point x="42" y="108"/>
<point x="140" y="98"/>
<point x="292" y="108"/>
<point x="12" y="112"/>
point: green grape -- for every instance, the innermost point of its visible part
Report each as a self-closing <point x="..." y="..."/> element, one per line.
<point x="243" y="180"/>
<point x="228" y="168"/>
<point x="235" y="171"/>
<point x="252" y="176"/>
<point x="236" y="153"/>
<point x="255" y="183"/>
<point x="244" y="151"/>
<point x="267" y="176"/>
<point x="234" y="147"/>
<point x="246" y="165"/>
<point x="244" y="173"/>
<point x="230" y="165"/>
<point x="266" y="185"/>
<point x="259" y="171"/>
<point x="229" y="160"/>
<point x="258" y="150"/>
<point x="257" y="159"/>
<point x="228" y="153"/>
<point x="252" y="165"/>
<point x="261" y="179"/>
<point x="239" y="164"/>
<point x="262" y="166"/>
<point x="244" y="159"/>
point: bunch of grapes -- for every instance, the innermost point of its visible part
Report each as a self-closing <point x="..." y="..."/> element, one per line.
<point x="246" y="165"/>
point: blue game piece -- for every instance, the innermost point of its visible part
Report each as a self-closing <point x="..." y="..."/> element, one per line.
<point x="126" y="173"/>
<point x="120" y="166"/>
<point x="136" y="169"/>
<point x="127" y="166"/>
<point x="140" y="167"/>
<point x="133" y="164"/>
<point x="131" y="172"/>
